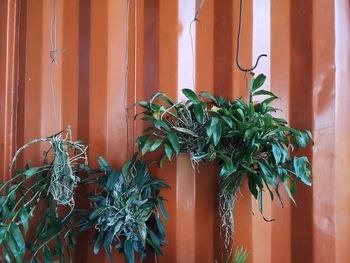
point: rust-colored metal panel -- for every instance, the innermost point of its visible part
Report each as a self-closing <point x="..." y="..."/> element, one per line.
<point x="9" y="31"/>
<point x="118" y="52"/>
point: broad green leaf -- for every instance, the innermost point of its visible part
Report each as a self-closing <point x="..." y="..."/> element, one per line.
<point x="162" y="159"/>
<point x="301" y="170"/>
<point x="155" y="145"/>
<point x="276" y="153"/>
<point x="190" y="94"/>
<point x="268" y="101"/>
<point x="250" y="133"/>
<point x="241" y="114"/>
<point x="268" y="175"/>
<point x="168" y="151"/>
<point x="208" y="95"/>
<point x="252" y="185"/>
<point x="31" y="171"/>
<point x="264" y="92"/>
<point x="24" y="219"/>
<point x="103" y="163"/>
<point x="146" y="147"/>
<point x="112" y="179"/>
<point x="228" y="121"/>
<point x="258" y="82"/>
<point x="140" y="141"/>
<point x="301" y="139"/>
<point x="143" y="104"/>
<point x="198" y="112"/>
<point x="174" y="141"/>
<point x="161" y="124"/>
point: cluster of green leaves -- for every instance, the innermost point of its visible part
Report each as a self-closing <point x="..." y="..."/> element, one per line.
<point x="125" y="212"/>
<point x="21" y="198"/>
<point x="246" y="138"/>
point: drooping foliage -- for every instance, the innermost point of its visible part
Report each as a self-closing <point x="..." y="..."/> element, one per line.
<point x="246" y="138"/>
<point x="41" y="190"/>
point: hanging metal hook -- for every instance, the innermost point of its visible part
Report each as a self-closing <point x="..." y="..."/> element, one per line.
<point x="238" y="43"/>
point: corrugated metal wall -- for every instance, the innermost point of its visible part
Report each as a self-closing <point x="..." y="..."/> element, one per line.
<point x="307" y="43"/>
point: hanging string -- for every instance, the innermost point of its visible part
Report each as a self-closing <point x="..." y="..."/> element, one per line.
<point x="53" y="56"/>
<point x="126" y="63"/>
<point x="195" y="19"/>
<point x="245" y="70"/>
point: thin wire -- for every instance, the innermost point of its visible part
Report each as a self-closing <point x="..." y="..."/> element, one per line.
<point x="53" y="56"/>
<point x="135" y="66"/>
<point x="238" y="43"/>
<point x="195" y="19"/>
<point x="126" y="62"/>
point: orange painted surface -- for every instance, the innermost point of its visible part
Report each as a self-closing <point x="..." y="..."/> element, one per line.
<point x="307" y="43"/>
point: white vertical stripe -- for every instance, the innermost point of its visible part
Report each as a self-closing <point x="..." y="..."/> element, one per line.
<point x="186" y="65"/>
<point x="261" y="37"/>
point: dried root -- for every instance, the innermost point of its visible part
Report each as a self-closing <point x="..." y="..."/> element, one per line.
<point x="67" y="153"/>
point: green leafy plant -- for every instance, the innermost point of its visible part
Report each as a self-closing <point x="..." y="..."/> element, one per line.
<point x="126" y="212"/>
<point x="245" y="137"/>
<point x="41" y="189"/>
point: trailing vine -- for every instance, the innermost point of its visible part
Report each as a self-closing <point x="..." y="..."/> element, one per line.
<point x="244" y="137"/>
<point x="36" y="189"/>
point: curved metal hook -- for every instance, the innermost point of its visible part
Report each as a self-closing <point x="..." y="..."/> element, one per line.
<point x="238" y="44"/>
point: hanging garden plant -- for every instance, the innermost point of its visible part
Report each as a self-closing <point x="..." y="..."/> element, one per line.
<point x="37" y="189"/>
<point x="246" y="139"/>
<point x="126" y="210"/>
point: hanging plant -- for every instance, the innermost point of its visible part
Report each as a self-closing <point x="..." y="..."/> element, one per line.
<point x="246" y="139"/>
<point x="126" y="210"/>
<point x="38" y="188"/>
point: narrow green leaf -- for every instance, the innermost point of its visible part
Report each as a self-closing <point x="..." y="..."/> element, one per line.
<point x="129" y="251"/>
<point x="264" y="92"/>
<point x="6" y="254"/>
<point x="156" y="248"/>
<point x="162" y="209"/>
<point x="162" y="159"/>
<point x="18" y="237"/>
<point x="31" y="171"/>
<point x="289" y="192"/>
<point x="98" y="242"/>
<point x="24" y="219"/>
<point x="47" y="254"/>
<point x="168" y="151"/>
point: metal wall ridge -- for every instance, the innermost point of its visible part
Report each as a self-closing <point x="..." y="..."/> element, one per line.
<point x="115" y="57"/>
